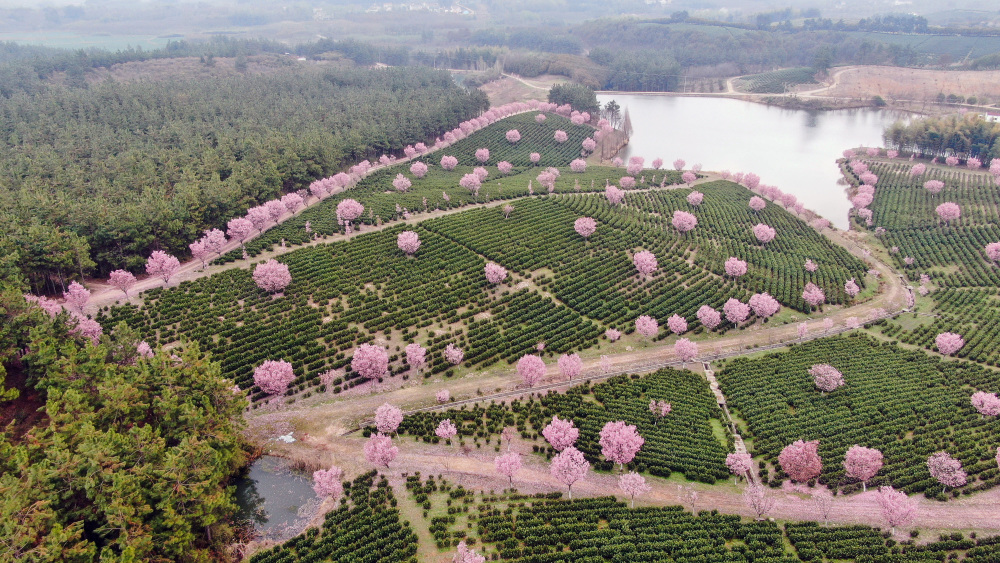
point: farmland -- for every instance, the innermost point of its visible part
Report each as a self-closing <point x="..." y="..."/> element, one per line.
<point x="775" y="82"/>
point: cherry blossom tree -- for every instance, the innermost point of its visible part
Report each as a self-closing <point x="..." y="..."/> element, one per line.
<point x="471" y="182"/>
<point x="453" y="354"/>
<point x="505" y="167"/>
<point x="273" y="376"/>
<point x="946" y="470"/>
<point x="800" y="460"/>
<point x="513" y="136"/>
<point x="199" y="251"/>
<point x="416" y="356"/>
<point x="677" y="324"/>
<point x="739" y="464"/>
<point x="695" y="198"/>
<point x="679" y="164"/>
<point x="803" y="329"/>
<point x="614" y="195"/>
<point x="508" y="465"/>
<point x="370" y="361"/>
<point x="272" y="276"/>
<point x="586" y="226"/>
<point x="918" y="169"/>
<point x="507" y="210"/>
<point x="534" y="157"/>
<point x="408" y="242"/>
<point x="560" y="434"/>
<point x="561" y="136"/>
<point x="626" y="182"/>
<point x="215" y="241"/>
<point x="446" y="430"/>
<point x="684" y="221"/>
<point x="826" y="377"/>
<point x="162" y="265"/>
<point x="708" y="317"/>
<point x="735" y="311"/>
<point x="647" y="326"/>
<point x="951" y="160"/>
<point x="348" y="210"/>
<point x="449" y="162"/>
<point x="988" y="404"/>
<point x="380" y="451"/>
<point x="689" y="178"/>
<point x="973" y="163"/>
<point x="401" y="183"/>
<point x="822" y="498"/>
<point x="239" y="228"/>
<point x="764" y="233"/>
<point x="735" y="267"/>
<point x="813" y="295"/>
<point x="763" y="305"/>
<point x="443" y="396"/>
<point x="144" y="350"/>
<point x="897" y="509"/>
<point x="758" y="499"/>
<point x="948" y="343"/>
<point x="633" y="484"/>
<point x="327" y="482"/>
<point x="685" y="350"/>
<point x="292" y="202"/>
<point x="757" y="203"/>
<point x="495" y="273"/>
<point x="121" y="280"/>
<point x="387" y="418"/>
<point x="589" y="144"/>
<point x="578" y="165"/>
<point x="77" y="296"/>
<point x="645" y="262"/>
<point x="569" y="466"/>
<point x="851" y="288"/>
<point x="612" y="334"/>
<point x="481" y="173"/>
<point x="570" y="366"/>
<point x="993" y="250"/>
<point x="634" y="167"/>
<point x="620" y="442"/>
<point x="862" y="463"/>
<point x="275" y="209"/>
<point x="539" y="118"/>
<point x="531" y="368"/>
<point x="483" y="155"/>
<point x="259" y="217"/>
<point x="948" y="211"/>
<point x="660" y="409"/>
<point x="934" y="186"/>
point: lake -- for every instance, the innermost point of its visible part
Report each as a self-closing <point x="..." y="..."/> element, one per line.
<point x="794" y="150"/>
<point x="273" y="497"/>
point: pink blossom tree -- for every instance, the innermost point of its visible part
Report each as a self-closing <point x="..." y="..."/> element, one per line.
<point x="614" y="195"/>
<point x="948" y="211"/>
<point x="505" y="167"/>
<point x="144" y="350"/>
<point x="570" y="366"/>
<point x="689" y="178"/>
<point x="453" y="354"/>
<point x="735" y="311"/>
<point x="612" y="334"/>
<point x="380" y="451"/>
<point x="634" y="167"/>
<point x="401" y="183"/>
<point x="758" y="499"/>
<point x="660" y="409"/>
<point x="763" y="305"/>
<point x="757" y="203"/>
<point x="918" y="169"/>
<point x="735" y="267"/>
<point x="442" y="396"/>
<point x="446" y="430"/>
<point x="327" y="482"/>
<point x="416" y="356"/>
<point x="534" y="157"/>
<point x="739" y="464"/>
<point x="531" y="369"/>
<point x="948" y="343"/>
<point x="826" y="377"/>
<point x="162" y="265"/>
<point x="679" y="164"/>
<point x="645" y="262"/>
<point x="677" y="324"/>
<point x="934" y="186"/>
<point x="993" y="250"/>
<point x="481" y="173"/>
<point x="215" y="241"/>
<point x="483" y="155"/>
<point x="408" y="242"/>
<point x="684" y="221"/>
<point x="508" y="465"/>
<point x="348" y="210"/>
<point x="199" y="251"/>
<point x="560" y="434"/>
<point x="513" y="136"/>
<point x="946" y="470"/>
<point x="272" y="276"/>
<point x="370" y="361"/>
<point x="764" y="233"/>
<point x="633" y="484"/>
<point x="951" y="160"/>
<point x="292" y="202"/>
<point x="620" y="442"/>
<point x="472" y="183"/>
<point x="810" y="266"/>
<point x="695" y="198"/>
<point x="800" y="460"/>
<point x="258" y="217"/>
<point x="77" y="296"/>
<point x="589" y="144"/>
<point x="973" y="163"/>
<point x="708" y="317"/>
<point x="507" y="210"/>
<point x="495" y="273"/>
<point x="569" y="466"/>
<point x="539" y="118"/>
<point x="121" y="280"/>
<point x="273" y="376"/>
<point x="387" y="418"/>
<point x="685" y="350"/>
<point x="239" y="229"/>
<point x="578" y="165"/>
<point x="561" y="136"/>
<point x="862" y="463"/>
<point x="897" y="509"/>
<point x="647" y="326"/>
<point x="586" y="226"/>
<point x="449" y="162"/>
<point x="851" y="288"/>
<point x="626" y="182"/>
<point x="988" y="404"/>
<point x="813" y="295"/>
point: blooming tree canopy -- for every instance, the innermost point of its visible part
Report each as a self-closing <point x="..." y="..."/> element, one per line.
<point x="370" y="361"/>
<point x="449" y="162"/>
<point x="948" y="343"/>
<point x="764" y="305"/>
<point x="401" y="183"/>
<point x="647" y="326"/>
<point x="684" y="221"/>
<point x="633" y="484"/>
<point x="534" y="157"/>
<point x="735" y="267"/>
<point x="826" y="377"/>
<point x="569" y="466"/>
<point x="620" y="442"/>
<point x="483" y="155"/>
<point x="708" y="317"/>
<point x="379" y="450"/>
<point x="695" y="198"/>
<point x="239" y="228"/>
<point x="948" y="211"/>
<point x="570" y="366"/>
<point x="272" y="276"/>
<point x="862" y="463"/>
<point x="508" y="465"/>
<point x="946" y="469"/>
<point x="851" y="288"/>
<point x="800" y="460"/>
<point x="292" y="202"/>
<point x="387" y="418"/>
<point x="578" y="165"/>
<point x="495" y="273"/>
<point x="446" y="429"/>
<point x="897" y="509"/>
<point x="677" y="324"/>
<point x="918" y="169"/>
<point x="505" y="167"/>
<point x="443" y="396"/>
<point x="348" y="210"/>
<point x="531" y="368"/>
<point x="934" y="186"/>
<point x="993" y="250"/>
<point x="764" y="233"/>
<point x="679" y="164"/>
<point x="416" y="356"/>
<point x="327" y="482"/>
<point x="757" y="203"/>
<point x="813" y="295"/>
<point x="77" y="296"/>
<point x="561" y="136"/>
<point x="162" y="265"/>
<point x="586" y="226"/>
<point x="645" y="262"/>
<point x="408" y="242"/>
<point x="560" y="434"/>
<point x="810" y="266"/>
<point x="453" y="354"/>
<point x="735" y="311"/>
<point x="122" y="280"/>
<point x="739" y="464"/>
<point x="988" y="404"/>
<point x="513" y="136"/>
<point x="685" y="349"/>
<point x="758" y="499"/>
<point x="273" y="376"/>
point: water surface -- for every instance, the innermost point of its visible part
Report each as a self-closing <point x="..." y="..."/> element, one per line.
<point x="794" y="150"/>
<point x="273" y="497"/>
